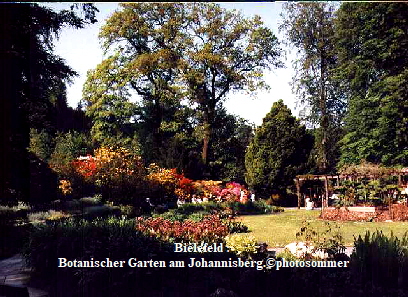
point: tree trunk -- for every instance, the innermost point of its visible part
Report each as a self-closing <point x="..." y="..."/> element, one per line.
<point x="206" y="139"/>
<point x="324" y="123"/>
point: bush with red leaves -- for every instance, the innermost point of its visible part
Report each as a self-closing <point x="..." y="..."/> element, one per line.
<point x="210" y="229"/>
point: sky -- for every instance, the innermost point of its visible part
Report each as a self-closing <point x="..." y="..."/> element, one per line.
<point x="82" y="51"/>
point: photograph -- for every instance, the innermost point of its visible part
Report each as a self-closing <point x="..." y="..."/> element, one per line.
<point x="204" y="149"/>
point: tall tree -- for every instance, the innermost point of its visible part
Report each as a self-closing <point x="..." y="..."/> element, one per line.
<point x="310" y="28"/>
<point x="372" y="45"/>
<point x="278" y="151"/>
<point x="225" y="52"/>
<point x="144" y="41"/>
<point x="30" y="72"/>
<point x="168" y="52"/>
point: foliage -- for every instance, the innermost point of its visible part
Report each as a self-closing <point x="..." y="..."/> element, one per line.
<point x="117" y="172"/>
<point x="185" y="189"/>
<point x="372" y="63"/>
<point x="13" y="232"/>
<point x="257" y="207"/>
<point x="210" y="229"/>
<point x="31" y="74"/>
<point x="328" y="241"/>
<point x="244" y="246"/>
<point x="366" y="169"/>
<point x="380" y="260"/>
<point x="167" y="179"/>
<point x="91" y="201"/>
<point x="287" y="255"/>
<point x="231" y="136"/>
<point x="68" y="147"/>
<point x="310" y="28"/>
<point x="371" y="183"/>
<point x="216" y="67"/>
<point x="165" y="61"/>
<point x="277" y="152"/>
<point x="236" y="226"/>
<point x="42" y="216"/>
<point x="207" y="188"/>
<point x="114" y="238"/>
<point x="41" y="144"/>
<point x="65" y="187"/>
<point x="232" y="192"/>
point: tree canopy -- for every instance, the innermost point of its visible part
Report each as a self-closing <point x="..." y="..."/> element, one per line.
<point x="31" y="76"/>
<point x="277" y="152"/>
<point x="310" y="29"/>
<point x="372" y="46"/>
<point x="170" y="52"/>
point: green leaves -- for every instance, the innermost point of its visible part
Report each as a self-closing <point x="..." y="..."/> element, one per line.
<point x="309" y="27"/>
<point x="277" y="152"/>
<point x="373" y="64"/>
<point x="169" y="52"/>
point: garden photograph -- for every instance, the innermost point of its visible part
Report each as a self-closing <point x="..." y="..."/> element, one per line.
<point x="204" y="149"/>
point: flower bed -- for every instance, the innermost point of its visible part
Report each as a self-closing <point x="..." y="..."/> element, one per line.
<point x="210" y="229"/>
<point x="398" y="212"/>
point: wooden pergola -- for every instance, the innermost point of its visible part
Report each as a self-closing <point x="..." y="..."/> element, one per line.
<point x="301" y="178"/>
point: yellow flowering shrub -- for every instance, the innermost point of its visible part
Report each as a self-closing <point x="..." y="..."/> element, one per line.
<point x="168" y="178"/>
<point x="242" y="245"/>
<point x="119" y="173"/>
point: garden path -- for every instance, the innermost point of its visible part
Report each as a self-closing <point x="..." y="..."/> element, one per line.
<point x="15" y="277"/>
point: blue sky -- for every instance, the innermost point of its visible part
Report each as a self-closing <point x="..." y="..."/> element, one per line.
<point x="81" y="50"/>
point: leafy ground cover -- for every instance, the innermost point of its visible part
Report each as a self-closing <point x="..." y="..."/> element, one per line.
<point x="279" y="229"/>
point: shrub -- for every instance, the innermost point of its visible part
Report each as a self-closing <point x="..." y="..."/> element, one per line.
<point x="91" y="201"/>
<point x="328" y="241"/>
<point x="379" y="260"/>
<point x="287" y="255"/>
<point x="190" y="208"/>
<point x="257" y="207"/>
<point x="68" y="146"/>
<point x="41" y="216"/>
<point x="210" y="229"/>
<point x="244" y="246"/>
<point x="399" y="212"/>
<point x="232" y="192"/>
<point x="171" y="215"/>
<point x="236" y="227"/>
<point x="117" y="173"/>
<point x="12" y="229"/>
<point x="99" y="239"/>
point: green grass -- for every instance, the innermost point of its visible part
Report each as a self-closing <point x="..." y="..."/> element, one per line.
<point x="279" y="229"/>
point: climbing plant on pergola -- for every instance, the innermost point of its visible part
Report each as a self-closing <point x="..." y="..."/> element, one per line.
<point x="364" y="170"/>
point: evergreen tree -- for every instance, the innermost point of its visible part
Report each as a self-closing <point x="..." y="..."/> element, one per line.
<point x="278" y="151"/>
<point x="30" y="73"/>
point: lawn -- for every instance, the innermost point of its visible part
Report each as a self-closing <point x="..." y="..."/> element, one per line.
<point x="280" y="229"/>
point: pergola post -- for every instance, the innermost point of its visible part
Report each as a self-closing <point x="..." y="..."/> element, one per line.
<point x="298" y="191"/>
<point x="326" y="188"/>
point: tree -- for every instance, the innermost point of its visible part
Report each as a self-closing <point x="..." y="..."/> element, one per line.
<point x="277" y="152"/>
<point x="372" y="46"/>
<point x="30" y="74"/>
<point x="143" y="40"/>
<point x="310" y="28"/>
<point x="169" y="52"/>
<point x="226" y="52"/>
<point x="231" y="137"/>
